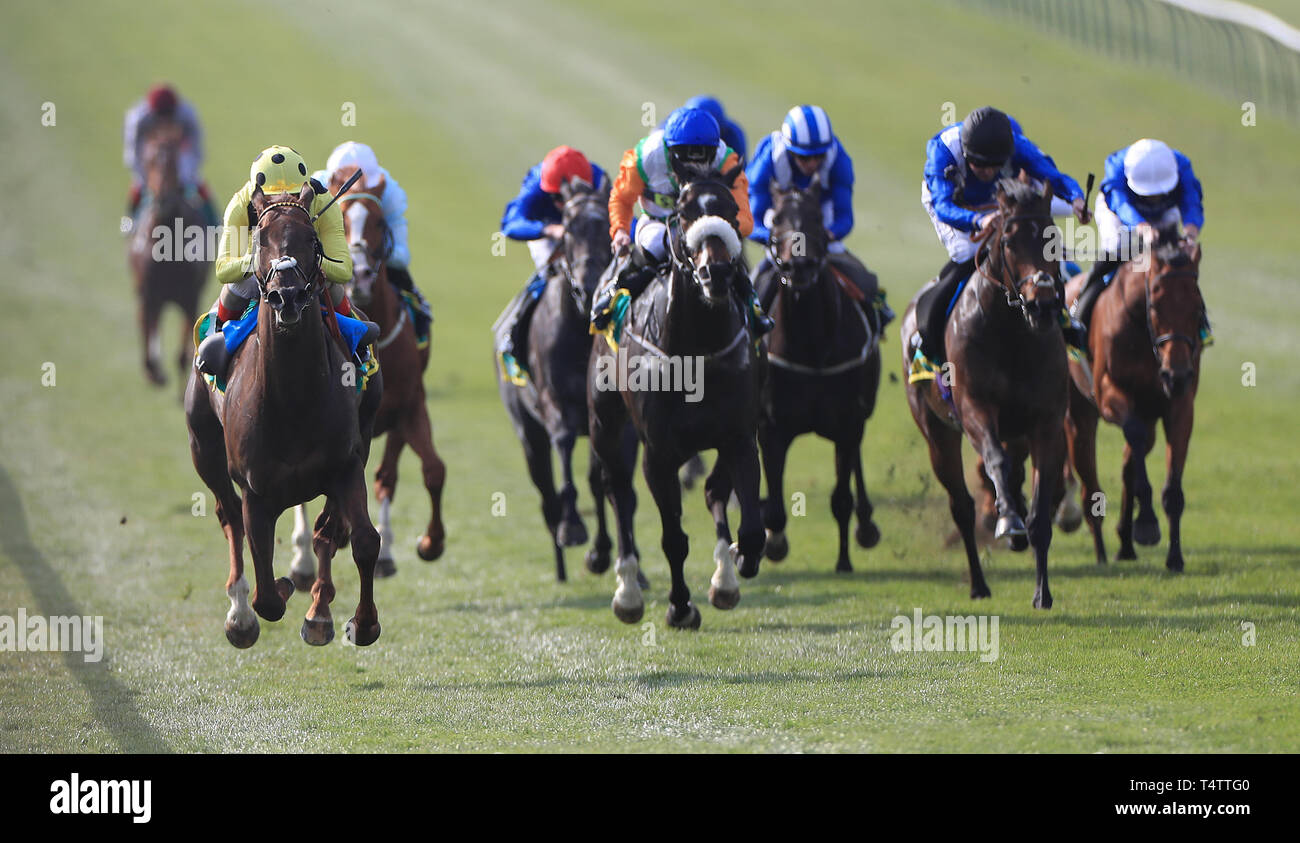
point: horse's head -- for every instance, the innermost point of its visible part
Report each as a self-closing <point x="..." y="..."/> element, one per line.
<point x="797" y="245"/>
<point x="709" y="245"/>
<point x="1173" y="309"/>
<point x="161" y="158"/>
<point x="370" y="240"/>
<point x="586" y="249"/>
<point x="286" y="253"/>
<point x="1020" y="249"/>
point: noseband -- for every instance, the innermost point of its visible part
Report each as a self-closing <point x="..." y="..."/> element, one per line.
<point x="1157" y="341"/>
<point x="1041" y="278"/>
<point x="286" y="263"/>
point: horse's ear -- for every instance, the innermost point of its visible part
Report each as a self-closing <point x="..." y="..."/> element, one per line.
<point x="308" y="194"/>
<point x="1047" y="191"/>
<point x="378" y="189"/>
<point x="729" y="177"/>
<point x="1024" y="176"/>
<point x="258" y="199"/>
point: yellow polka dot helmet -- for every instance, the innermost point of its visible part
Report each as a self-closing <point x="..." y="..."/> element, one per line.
<point x="279" y="169"/>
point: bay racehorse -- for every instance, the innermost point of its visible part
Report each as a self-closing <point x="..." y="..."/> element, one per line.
<point x="824" y="370"/>
<point x="549" y="412"/>
<point x="167" y="252"/>
<point x="403" y="413"/>
<point x="686" y="375"/>
<point x="291" y="426"/>
<point x="1007" y="372"/>
<point x="1146" y="362"/>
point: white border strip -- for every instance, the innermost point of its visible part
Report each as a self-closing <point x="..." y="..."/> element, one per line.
<point x="1244" y="14"/>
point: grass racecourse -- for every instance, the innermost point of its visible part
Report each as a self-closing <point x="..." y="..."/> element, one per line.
<point x="483" y="650"/>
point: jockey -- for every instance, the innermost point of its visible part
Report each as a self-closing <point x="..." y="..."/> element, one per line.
<point x="161" y="104"/>
<point x="279" y="170"/>
<point x="963" y="165"/>
<point x="803" y="152"/>
<point x="688" y="147"/>
<point x="393" y="205"/>
<point x="732" y="134"/>
<point x="534" y="216"/>
<point x="1147" y="186"/>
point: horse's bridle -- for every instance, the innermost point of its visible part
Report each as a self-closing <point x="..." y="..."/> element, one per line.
<point x="682" y="262"/>
<point x="286" y="263"/>
<point x="1157" y="341"/>
<point x="784" y="270"/>
<point x="1041" y="278"/>
<point x="576" y="290"/>
<point x="386" y="250"/>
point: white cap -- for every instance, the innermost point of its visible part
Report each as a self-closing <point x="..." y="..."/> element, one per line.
<point x="353" y="154"/>
<point x="1150" y="168"/>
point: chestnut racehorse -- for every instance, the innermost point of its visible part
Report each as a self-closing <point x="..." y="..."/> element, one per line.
<point x="290" y="427"/>
<point x="1007" y="370"/>
<point x="403" y="413"/>
<point x="1146" y="360"/>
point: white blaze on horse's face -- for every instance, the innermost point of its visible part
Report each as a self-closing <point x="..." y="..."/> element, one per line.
<point x="362" y="273"/>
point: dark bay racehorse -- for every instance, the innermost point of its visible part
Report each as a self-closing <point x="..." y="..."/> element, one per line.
<point x="165" y="270"/>
<point x="289" y="428"/>
<point x="1007" y="369"/>
<point x="1146" y="362"/>
<point x="403" y="413"/>
<point x="823" y="375"/>
<point x="688" y="324"/>
<point x="550" y="412"/>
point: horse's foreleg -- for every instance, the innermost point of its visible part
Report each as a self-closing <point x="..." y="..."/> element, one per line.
<point x="318" y="625"/>
<point x="537" y="454"/>
<point x="774" y="445"/>
<point x="842" y="502"/>
<point x="302" y="570"/>
<point x="597" y="559"/>
<point x="609" y="433"/>
<point x="1082" y="441"/>
<point x="945" y="460"/>
<point x="572" y="532"/>
<point x="1047" y="448"/>
<point x="150" y="309"/>
<point x="868" y="534"/>
<point x="1139" y="437"/>
<point x="363" y="628"/>
<point x="983" y="432"/>
<point x="259" y="523"/>
<point x="745" y="479"/>
<point x="724" y="588"/>
<point x="1178" y="435"/>
<point x="419" y="435"/>
<point x="385" y="491"/>
<point x="661" y="477"/>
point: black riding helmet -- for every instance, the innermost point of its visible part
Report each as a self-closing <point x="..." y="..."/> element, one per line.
<point x="986" y="137"/>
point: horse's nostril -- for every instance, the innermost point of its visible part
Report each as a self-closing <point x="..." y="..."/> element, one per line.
<point x="274" y="299"/>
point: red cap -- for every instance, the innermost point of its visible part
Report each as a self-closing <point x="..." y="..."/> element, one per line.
<point x="162" y="99"/>
<point x="562" y="164"/>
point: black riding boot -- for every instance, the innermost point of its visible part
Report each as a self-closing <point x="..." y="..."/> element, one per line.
<point x="932" y="309"/>
<point x="1092" y="287"/>
<point x="635" y="276"/>
<point x="401" y="279"/>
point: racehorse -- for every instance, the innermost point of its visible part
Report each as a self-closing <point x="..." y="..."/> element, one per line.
<point x="550" y="412"/>
<point x="1007" y="372"/>
<point x="403" y="413"/>
<point x="1146" y="363"/>
<point x="290" y="427"/>
<point x="162" y="275"/>
<point x="824" y="371"/>
<point x="687" y="322"/>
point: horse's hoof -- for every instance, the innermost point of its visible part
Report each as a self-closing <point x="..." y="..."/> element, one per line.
<point x="691" y="619"/>
<point x="628" y="614"/>
<point x="571" y="534"/>
<point x="980" y="592"/>
<point x="1019" y="543"/>
<point x="317" y="631"/>
<point x="243" y="638"/>
<point x="747" y="565"/>
<point x="778" y="546"/>
<point x="1009" y="525"/>
<point x="302" y="580"/>
<point x="155" y="375"/>
<point x="597" y="561"/>
<point x="285" y="588"/>
<point x="868" y="535"/>
<point x="385" y="568"/>
<point x="271" y="611"/>
<point x="1146" y="533"/>
<point x="361" y="636"/>
<point x="1069" y="516"/>
<point x="843" y="566"/>
<point x="723" y="599"/>
<point x="1043" y="601"/>
<point x="428" y="549"/>
<point x="1126" y="554"/>
<point x="1174" y="562"/>
<point x="641" y="580"/>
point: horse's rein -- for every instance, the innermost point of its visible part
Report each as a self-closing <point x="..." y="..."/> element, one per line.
<point x="1157" y="341"/>
<point x="1040" y="278"/>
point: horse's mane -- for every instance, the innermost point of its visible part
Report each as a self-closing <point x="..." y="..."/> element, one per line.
<point x="1021" y="192"/>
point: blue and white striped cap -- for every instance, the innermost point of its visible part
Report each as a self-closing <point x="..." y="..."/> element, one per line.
<point x="807" y="130"/>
